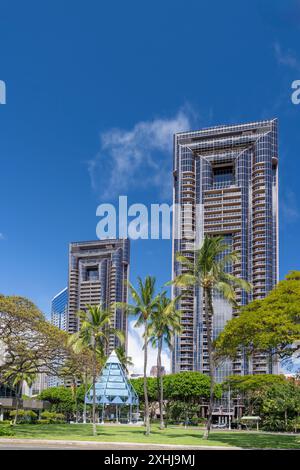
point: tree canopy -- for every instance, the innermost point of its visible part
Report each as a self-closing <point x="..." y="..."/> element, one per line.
<point x="252" y="383"/>
<point x="31" y="345"/>
<point x="268" y="325"/>
<point x="272" y="397"/>
<point x="60" y="398"/>
<point x="185" y="386"/>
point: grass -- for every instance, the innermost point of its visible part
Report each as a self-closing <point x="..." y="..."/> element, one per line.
<point x="174" y="435"/>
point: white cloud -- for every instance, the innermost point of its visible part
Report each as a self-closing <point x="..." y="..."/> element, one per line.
<point x="135" y="350"/>
<point x="136" y="157"/>
<point x="286" y="58"/>
<point x="2" y="237"/>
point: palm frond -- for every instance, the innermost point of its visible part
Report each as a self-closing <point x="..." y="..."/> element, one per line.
<point x="185" y="280"/>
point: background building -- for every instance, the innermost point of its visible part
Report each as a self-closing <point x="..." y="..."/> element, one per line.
<point x="97" y="274"/>
<point x="59" y="309"/>
<point x="227" y="178"/>
<point x="41" y="382"/>
<point x="59" y="312"/>
<point x="153" y="371"/>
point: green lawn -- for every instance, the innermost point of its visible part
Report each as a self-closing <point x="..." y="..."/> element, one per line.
<point x="169" y="436"/>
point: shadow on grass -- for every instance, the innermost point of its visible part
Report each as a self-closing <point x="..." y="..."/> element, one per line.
<point x="167" y="436"/>
<point x="257" y="440"/>
<point x="113" y="433"/>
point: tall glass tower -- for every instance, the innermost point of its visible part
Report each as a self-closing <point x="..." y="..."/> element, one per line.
<point x="98" y="271"/>
<point x="225" y="183"/>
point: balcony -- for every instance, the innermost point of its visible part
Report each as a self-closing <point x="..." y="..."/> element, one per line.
<point x="258" y="181"/>
<point x="259" y="189"/>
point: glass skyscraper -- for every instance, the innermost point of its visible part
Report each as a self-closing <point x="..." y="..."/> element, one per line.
<point x="226" y="180"/>
<point x="59" y="309"/>
<point x="98" y="272"/>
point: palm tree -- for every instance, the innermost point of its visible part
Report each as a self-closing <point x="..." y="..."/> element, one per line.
<point x="144" y="305"/>
<point x="95" y="331"/>
<point x="13" y="376"/>
<point x="209" y="272"/>
<point x="126" y="361"/>
<point x="164" y="324"/>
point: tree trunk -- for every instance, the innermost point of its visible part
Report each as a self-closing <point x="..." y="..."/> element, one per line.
<point x="160" y="384"/>
<point x="19" y="395"/>
<point x="75" y="400"/>
<point x="84" y="402"/>
<point x="94" y="396"/>
<point x="208" y="321"/>
<point x="94" y="407"/>
<point x="146" y="418"/>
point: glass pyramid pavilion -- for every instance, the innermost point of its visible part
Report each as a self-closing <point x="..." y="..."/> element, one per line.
<point x="112" y="386"/>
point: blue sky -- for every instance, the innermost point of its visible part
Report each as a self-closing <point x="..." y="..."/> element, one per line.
<point x="82" y="78"/>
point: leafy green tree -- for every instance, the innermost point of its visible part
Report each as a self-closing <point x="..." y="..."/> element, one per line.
<point x="94" y="334"/>
<point x="209" y="272"/>
<point x="164" y="323"/>
<point x="188" y="413"/>
<point x="144" y="305"/>
<point x="60" y="398"/>
<point x="187" y="388"/>
<point x="269" y="325"/>
<point x="152" y="389"/>
<point x="30" y="343"/>
<point x="252" y="388"/>
<point x="280" y="406"/>
<point x="272" y="397"/>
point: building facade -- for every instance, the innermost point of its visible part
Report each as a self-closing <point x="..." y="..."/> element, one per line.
<point x="98" y="275"/>
<point x="41" y="383"/>
<point x="59" y="309"/>
<point x="59" y="312"/>
<point x="225" y="183"/>
<point x="154" y="370"/>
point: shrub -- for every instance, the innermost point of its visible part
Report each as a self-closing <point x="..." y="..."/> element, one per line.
<point x="274" y="423"/>
<point x="53" y="417"/>
<point x="24" y="416"/>
<point x="6" y="430"/>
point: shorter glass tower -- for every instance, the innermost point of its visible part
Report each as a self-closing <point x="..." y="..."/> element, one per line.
<point x="59" y="309"/>
<point x="98" y="275"/>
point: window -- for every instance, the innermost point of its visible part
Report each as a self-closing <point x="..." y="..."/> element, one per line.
<point x="223" y="175"/>
<point x="92" y="274"/>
